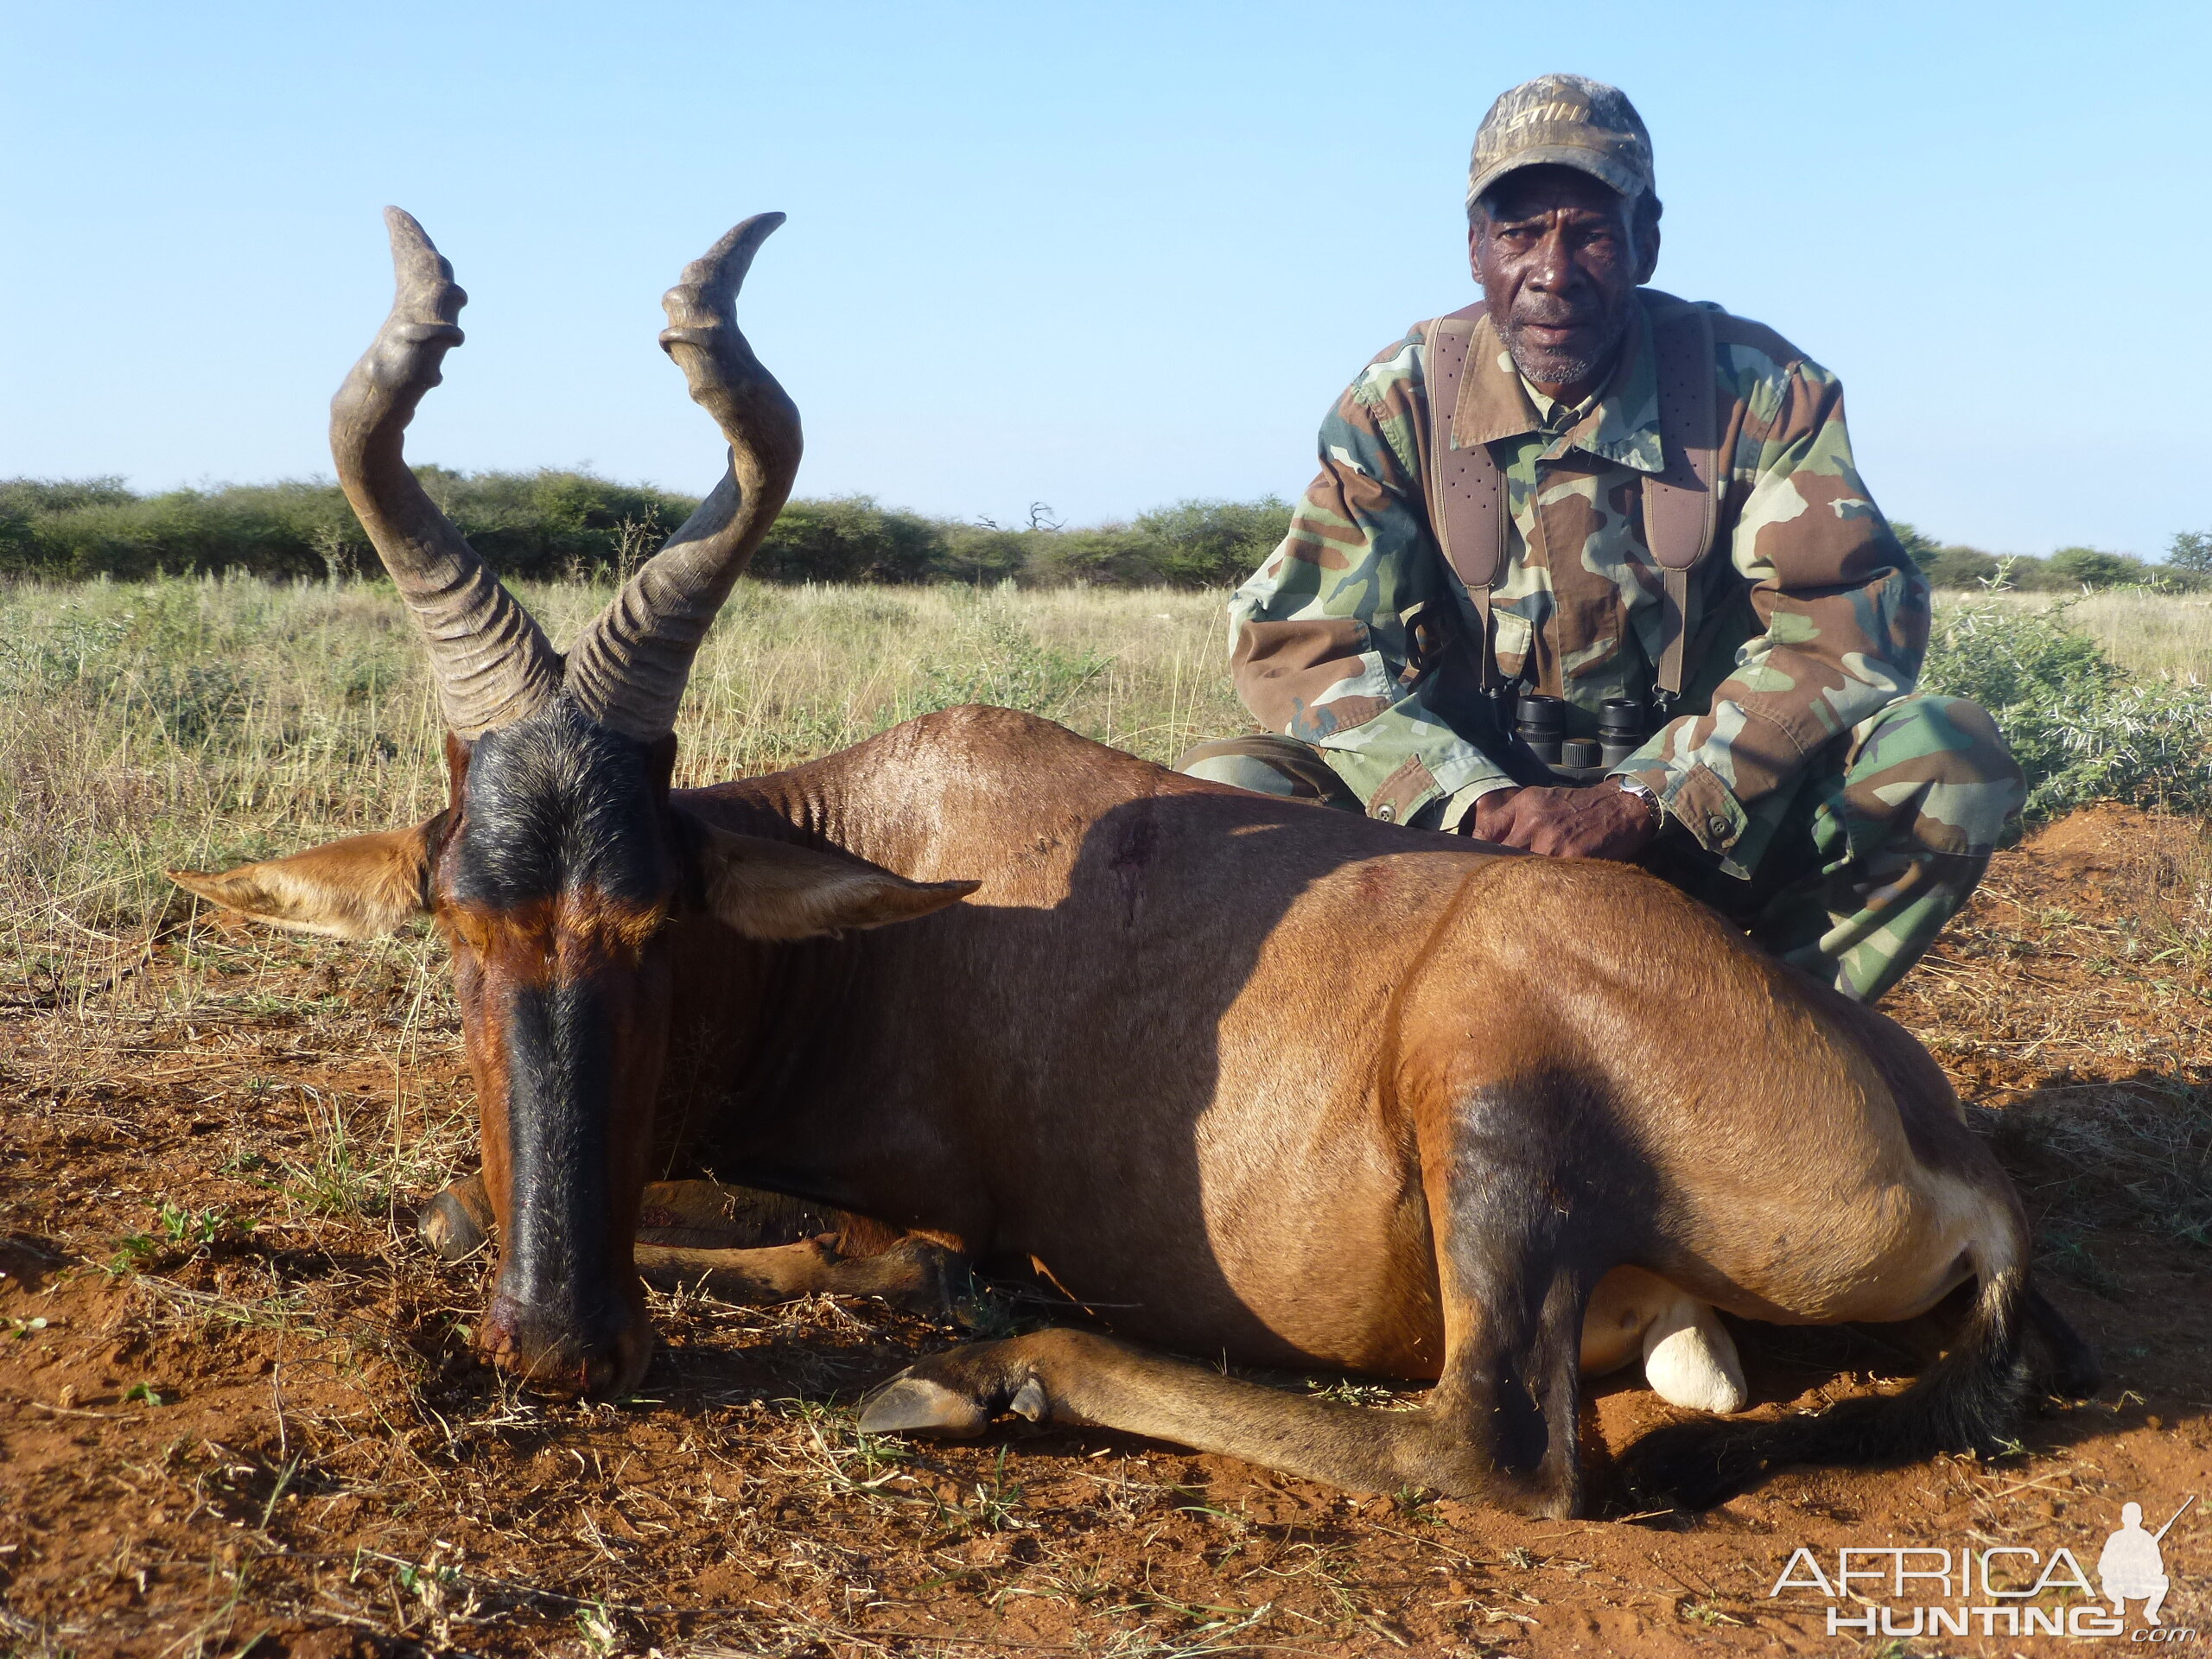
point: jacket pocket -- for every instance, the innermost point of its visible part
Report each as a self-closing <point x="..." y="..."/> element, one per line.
<point x="1309" y="678"/>
<point x="1513" y="636"/>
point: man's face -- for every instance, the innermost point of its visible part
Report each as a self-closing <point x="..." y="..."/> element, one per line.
<point x="1559" y="256"/>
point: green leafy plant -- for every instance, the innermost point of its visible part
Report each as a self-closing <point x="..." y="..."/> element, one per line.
<point x="197" y="1228"/>
<point x="2081" y="729"/>
<point x="132" y="1253"/>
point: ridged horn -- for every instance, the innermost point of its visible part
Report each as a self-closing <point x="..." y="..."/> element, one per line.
<point x="628" y="668"/>
<point x="490" y="661"/>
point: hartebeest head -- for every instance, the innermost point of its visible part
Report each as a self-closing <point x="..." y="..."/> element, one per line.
<point x="560" y="858"/>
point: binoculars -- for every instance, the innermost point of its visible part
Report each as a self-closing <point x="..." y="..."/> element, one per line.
<point x="1540" y="725"/>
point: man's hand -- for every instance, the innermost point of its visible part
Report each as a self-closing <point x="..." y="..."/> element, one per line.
<point x="1602" y="822"/>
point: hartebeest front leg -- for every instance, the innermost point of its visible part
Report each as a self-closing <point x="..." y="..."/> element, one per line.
<point x="1522" y="1228"/>
<point x="913" y="1274"/>
<point x="701" y="1215"/>
<point x="1500" y="1429"/>
<point x="705" y="1236"/>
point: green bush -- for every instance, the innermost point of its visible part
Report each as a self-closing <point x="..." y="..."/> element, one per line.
<point x="2188" y="567"/>
<point x="30" y="497"/>
<point x="2090" y="566"/>
<point x="1959" y="566"/>
<point x="535" y="526"/>
<point x="849" y="539"/>
<point x="1212" y="543"/>
<point x="543" y="525"/>
<point x="272" y="529"/>
<point x="2081" y="729"/>
<point x="1944" y="565"/>
<point x="1193" y="543"/>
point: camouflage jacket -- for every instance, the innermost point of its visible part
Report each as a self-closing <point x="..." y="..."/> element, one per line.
<point x="1805" y="618"/>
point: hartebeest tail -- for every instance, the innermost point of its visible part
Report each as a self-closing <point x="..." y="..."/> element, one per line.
<point x="1970" y="1400"/>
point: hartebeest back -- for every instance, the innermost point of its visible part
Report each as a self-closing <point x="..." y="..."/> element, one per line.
<point x="1258" y="1078"/>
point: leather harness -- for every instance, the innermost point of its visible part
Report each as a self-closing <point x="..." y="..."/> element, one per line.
<point x="1680" y="504"/>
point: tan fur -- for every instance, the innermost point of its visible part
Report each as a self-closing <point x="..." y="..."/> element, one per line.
<point x="570" y="935"/>
<point x="358" y="888"/>
<point x="773" y="890"/>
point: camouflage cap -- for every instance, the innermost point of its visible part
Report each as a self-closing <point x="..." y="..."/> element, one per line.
<point x="1563" y="121"/>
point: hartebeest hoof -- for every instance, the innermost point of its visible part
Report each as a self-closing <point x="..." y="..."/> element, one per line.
<point x="914" y="1405"/>
<point x="1690" y="1360"/>
<point x="457" y="1222"/>
<point x="979" y="1381"/>
<point x="446" y="1228"/>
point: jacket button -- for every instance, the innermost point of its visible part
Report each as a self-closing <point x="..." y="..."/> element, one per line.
<point x="1384" y="813"/>
<point x="1716" y="826"/>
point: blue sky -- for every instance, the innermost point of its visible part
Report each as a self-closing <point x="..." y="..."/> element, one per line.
<point x="1100" y="256"/>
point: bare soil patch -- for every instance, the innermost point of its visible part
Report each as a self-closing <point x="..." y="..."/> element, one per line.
<point x="237" y="1413"/>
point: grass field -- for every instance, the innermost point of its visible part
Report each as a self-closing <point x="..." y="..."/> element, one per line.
<point x="2153" y="636"/>
<point x="236" y="1402"/>
<point x="186" y="723"/>
<point x="189" y="721"/>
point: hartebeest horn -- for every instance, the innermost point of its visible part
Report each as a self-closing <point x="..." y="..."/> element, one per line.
<point x="629" y="668"/>
<point x="491" y="663"/>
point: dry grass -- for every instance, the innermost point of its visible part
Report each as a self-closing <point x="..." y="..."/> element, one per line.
<point x="195" y="722"/>
<point x="191" y="722"/>
<point x="2153" y="636"/>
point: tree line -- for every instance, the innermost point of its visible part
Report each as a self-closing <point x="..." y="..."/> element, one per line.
<point x="551" y="524"/>
<point x="2188" y="567"/>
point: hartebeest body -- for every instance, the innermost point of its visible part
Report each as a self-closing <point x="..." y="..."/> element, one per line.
<point x="1261" y="1079"/>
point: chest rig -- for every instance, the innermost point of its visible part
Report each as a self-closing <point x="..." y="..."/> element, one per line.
<point x="1682" y="504"/>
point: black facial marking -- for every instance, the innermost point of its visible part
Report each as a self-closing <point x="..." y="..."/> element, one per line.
<point x="559" y="1086"/>
<point x="552" y="807"/>
<point x="556" y="804"/>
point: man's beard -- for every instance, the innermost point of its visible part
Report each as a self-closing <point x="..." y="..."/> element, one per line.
<point x="1575" y="366"/>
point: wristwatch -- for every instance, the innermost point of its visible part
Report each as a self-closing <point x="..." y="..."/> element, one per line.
<point x="1643" y="793"/>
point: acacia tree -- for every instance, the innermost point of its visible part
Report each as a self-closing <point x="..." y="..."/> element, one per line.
<point x="2191" y="551"/>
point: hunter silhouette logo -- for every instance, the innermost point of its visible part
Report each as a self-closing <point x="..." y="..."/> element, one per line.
<point x="2131" y="1566"/>
<point x="1930" y="1590"/>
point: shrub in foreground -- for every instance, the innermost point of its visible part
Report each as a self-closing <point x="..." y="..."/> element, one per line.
<point x="2082" y="729"/>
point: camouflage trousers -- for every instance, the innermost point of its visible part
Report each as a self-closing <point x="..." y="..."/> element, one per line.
<point x="1886" y="834"/>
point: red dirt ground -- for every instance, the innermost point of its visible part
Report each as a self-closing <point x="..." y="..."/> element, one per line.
<point x="249" y="1423"/>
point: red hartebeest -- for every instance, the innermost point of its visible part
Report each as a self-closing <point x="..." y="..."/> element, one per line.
<point x="1268" y="1081"/>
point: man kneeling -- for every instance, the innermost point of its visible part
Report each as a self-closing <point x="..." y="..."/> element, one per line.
<point x="1583" y="493"/>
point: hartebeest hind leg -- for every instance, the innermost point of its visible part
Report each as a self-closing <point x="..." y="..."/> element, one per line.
<point x="1523" y="1236"/>
<point x="705" y="1236"/>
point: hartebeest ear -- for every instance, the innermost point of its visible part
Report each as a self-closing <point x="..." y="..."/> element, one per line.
<point x="351" y="889"/>
<point x="772" y="890"/>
